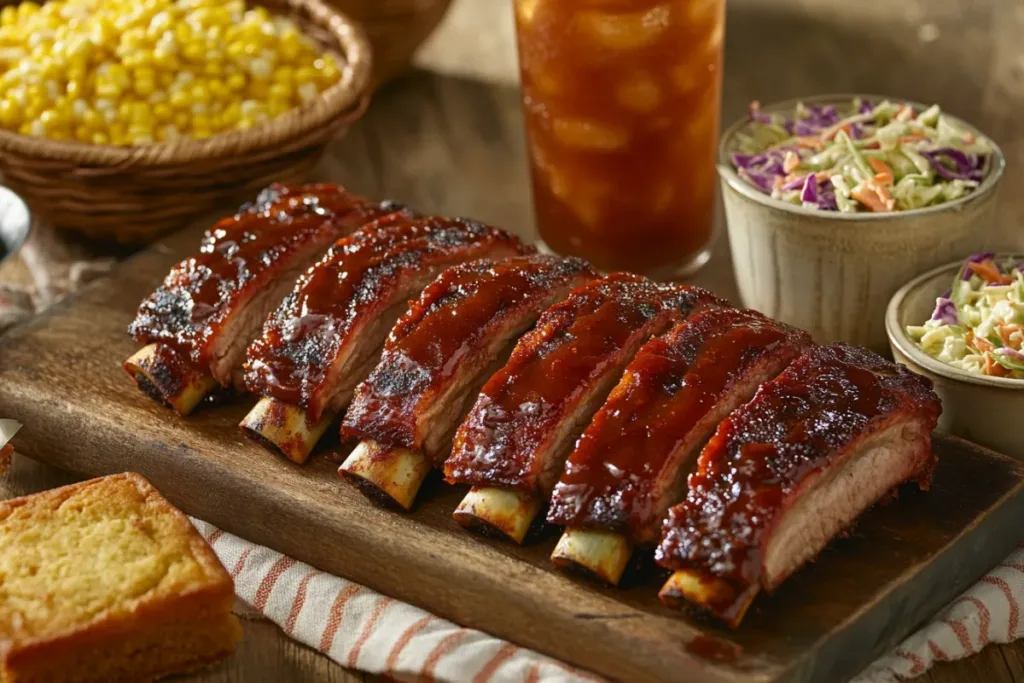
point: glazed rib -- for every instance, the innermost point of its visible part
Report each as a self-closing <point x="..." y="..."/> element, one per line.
<point x="528" y="415"/>
<point x="631" y="463"/>
<point x="438" y="356"/>
<point x="785" y="473"/>
<point x="327" y="334"/>
<point x="211" y="305"/>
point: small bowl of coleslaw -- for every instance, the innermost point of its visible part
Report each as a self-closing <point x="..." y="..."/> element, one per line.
<point x="962" y="325"/>
<point x="831" y="201"/>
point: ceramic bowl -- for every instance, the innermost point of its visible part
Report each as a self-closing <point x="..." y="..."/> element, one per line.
<point x="982" y="409"/>
<point x="833" y="273"/>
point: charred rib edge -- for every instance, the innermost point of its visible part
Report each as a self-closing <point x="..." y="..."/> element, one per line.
<point x="183" y="394"/>
<point x="394" y="474"/>
<point x="690" y="585"/>
<point x="284" y="428"/>
<point x="604" y="554"/>
<point x="508" y="512"/>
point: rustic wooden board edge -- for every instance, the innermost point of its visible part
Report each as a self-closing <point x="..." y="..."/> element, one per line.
<point x="456" y="596"/>
<point x="975" y="550"/>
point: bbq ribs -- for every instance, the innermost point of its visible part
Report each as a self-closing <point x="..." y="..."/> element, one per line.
<point x="516" y="438"/>
<point x="435" y="360"/>
<point x="788" y="471"/>
<point x="631" y="463"/>
<point x="197" y="324"/>
<point x="326" y="335"/>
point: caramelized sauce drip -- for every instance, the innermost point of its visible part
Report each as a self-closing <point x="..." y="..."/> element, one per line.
<point x="795" y="426"/>
<point x="356" y="280"/>
<point x="575" y="344"/>
<point x="241" y="254"/>
<point x="613" y="477"/>
<point x="713" y="649"/>
<point x="453" y="322"/>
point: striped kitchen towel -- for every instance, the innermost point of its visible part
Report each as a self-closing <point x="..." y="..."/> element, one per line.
<point x="362" y="629"/>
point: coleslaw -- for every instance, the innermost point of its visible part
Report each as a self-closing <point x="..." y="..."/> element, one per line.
<point x="978" y="326"/>
<point x="864" y="157"/>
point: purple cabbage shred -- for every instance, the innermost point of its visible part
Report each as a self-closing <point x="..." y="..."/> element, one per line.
<point x="809" y="194"/>
<point x="945" y="311"/>
<point x="952" y="164"/>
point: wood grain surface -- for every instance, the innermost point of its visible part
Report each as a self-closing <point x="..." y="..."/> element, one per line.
<point x="454" y="145"/>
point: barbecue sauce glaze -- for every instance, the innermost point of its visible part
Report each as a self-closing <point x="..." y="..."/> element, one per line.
<point x="291" y="359"/>
<point x="453" y="318"/>
<point x="671" y="385"/>
<point x="572" y="346"/>
<point x="241" y="254"/>
<point x="796" y="425"/>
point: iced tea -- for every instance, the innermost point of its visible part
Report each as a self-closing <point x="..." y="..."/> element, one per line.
<point x="622" y="100"/>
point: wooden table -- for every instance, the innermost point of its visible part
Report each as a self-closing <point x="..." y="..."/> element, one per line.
<point x="453" y="144"/>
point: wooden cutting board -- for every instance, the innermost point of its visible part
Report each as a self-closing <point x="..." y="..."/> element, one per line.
<point x="61" y="375"/>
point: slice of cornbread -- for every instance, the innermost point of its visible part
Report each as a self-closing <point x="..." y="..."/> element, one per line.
<point x="105" y="581"/>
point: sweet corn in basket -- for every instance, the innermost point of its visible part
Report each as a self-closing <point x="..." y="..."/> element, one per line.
<point x="124" y="118"/>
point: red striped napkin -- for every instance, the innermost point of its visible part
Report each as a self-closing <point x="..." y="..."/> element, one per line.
<point x="362" y="629"/>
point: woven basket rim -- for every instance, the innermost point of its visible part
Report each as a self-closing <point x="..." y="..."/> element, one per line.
<point x="345" y="100"/>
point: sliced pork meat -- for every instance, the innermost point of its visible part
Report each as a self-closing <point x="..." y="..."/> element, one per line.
<point x="441" y="352"/>
<point x="631" y="463"/>
<point x="199" y="321"/>
<point x="791" y="469"/>
<point x="530" y="413"/>
<point x="327" y="335"/>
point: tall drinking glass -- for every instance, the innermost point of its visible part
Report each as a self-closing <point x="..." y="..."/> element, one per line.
<point x="622" y="101"/>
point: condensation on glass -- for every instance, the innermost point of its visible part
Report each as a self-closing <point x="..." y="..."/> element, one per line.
<point x="622" y="100"/>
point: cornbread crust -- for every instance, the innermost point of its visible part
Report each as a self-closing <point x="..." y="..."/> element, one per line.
<point x="105" y="581"/>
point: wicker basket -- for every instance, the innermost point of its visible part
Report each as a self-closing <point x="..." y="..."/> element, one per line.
<point x="133" y="194"/>
<point x="395" y="29"/>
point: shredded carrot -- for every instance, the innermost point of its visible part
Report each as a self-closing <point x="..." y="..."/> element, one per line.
<point x="993" y="368"/>
<point x="1005" y="333"/>
<point x="988" y="272"/>
<point x="778" y="182"/>
<point x="969" y="138"/>
<point x="982" y="344"/>
<point x="884" y="174"/>
<point x="873" y="196"/>
<point x="810" y="142"/>
<point x="913" y="136"/>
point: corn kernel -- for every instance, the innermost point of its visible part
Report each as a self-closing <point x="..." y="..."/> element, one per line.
<point x="134" y="72"/>
<point x="163" y="112"/>
<point x="276" y="107"/>
<point x="180" y="99"/>
<point x="9" y="114"/>
<point x="236" y="81"/>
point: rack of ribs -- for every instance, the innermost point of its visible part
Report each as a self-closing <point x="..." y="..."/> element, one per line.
<point x="514" y="442"/>
<point x="436" y="359"/>
<point x="196" y="325"/>
<point x="327" y="335"/>
<point x="834" y="434"/>
<point x="631" y="463"/>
